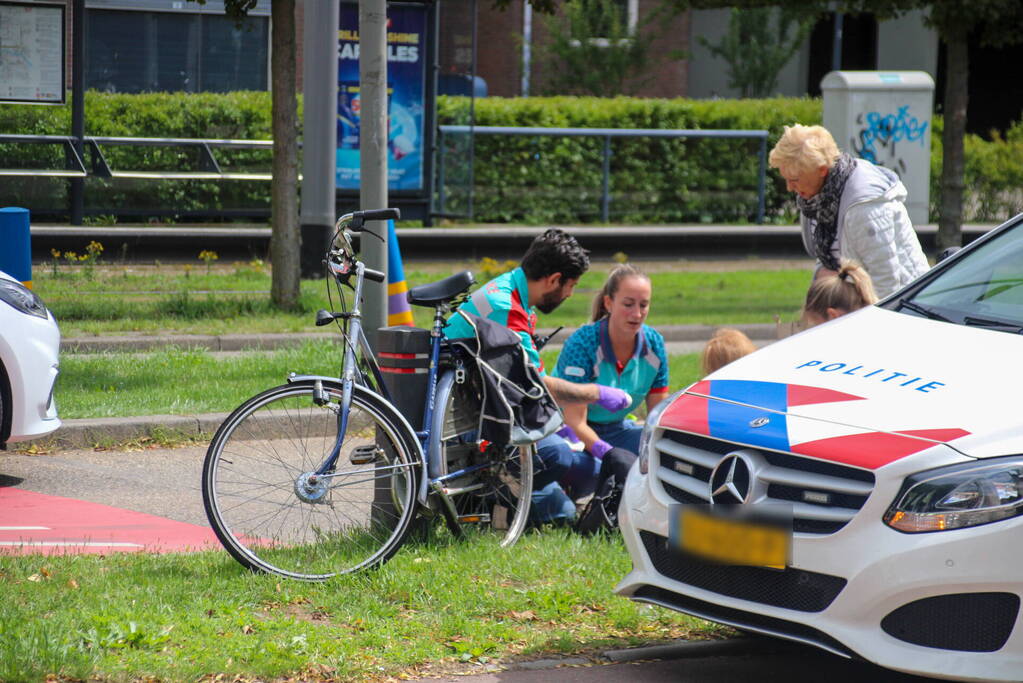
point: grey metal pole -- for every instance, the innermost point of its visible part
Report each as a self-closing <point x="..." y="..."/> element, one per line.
<point x="373" y="154"/>
<point x="836" y="42"/>
<point x="762" y="180"/>
<point x="605" y="183"/>
<point x="78" y="105"/>
<point x="319" y="155"/>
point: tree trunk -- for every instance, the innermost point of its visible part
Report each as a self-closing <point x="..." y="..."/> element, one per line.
<point x="284" y="240"/>
<point x="950" y="220"/>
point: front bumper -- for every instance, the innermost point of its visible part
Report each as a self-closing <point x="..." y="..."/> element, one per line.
<point x="30" y="358"/>
<point x="864" y="590"/>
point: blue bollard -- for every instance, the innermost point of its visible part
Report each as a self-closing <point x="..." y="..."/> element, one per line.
<point x="16" y="244"/>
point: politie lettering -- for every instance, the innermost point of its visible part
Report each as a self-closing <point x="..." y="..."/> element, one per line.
<point x="877" y="374"/>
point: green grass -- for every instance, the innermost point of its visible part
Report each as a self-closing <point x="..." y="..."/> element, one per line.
<point x="176" y="382"/>
<point x="147" y="300"/>
<point x="433" y="607"/>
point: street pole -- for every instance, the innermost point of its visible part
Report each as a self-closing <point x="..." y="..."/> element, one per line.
<point x="373" y="154"/>
<point x="78" y="105"/>
<point x="319" y="153"/>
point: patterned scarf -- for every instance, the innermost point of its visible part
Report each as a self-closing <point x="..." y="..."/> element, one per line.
<point x="821" y="210"/>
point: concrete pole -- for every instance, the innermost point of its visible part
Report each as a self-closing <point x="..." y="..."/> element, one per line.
<point x="78" y="105"/>
<point x="319" y="158"/>
<point x="373" y="153"/>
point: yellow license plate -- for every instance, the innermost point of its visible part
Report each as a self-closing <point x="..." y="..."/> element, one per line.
<point x="746" y="539"/>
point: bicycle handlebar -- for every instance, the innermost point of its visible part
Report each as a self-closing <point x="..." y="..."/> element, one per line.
<point x="374" y="275"/>
<point x="379" y="214"/>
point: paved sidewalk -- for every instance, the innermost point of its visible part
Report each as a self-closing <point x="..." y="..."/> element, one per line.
<point x="85" y="433"/>
<point x="240" y="342"/>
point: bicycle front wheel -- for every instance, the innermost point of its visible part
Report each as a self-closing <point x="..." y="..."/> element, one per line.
<point x="489" y="485"/>
<point x="277" y="509"/>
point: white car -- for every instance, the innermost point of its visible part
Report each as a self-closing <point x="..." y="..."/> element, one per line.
<point x="858" y="486"/>
<point x="29" y="344"/>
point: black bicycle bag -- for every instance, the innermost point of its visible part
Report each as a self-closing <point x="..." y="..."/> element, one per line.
<point x="516" y="407"/>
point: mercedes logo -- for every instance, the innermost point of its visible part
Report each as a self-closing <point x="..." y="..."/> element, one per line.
<point x="731" y="481"/>
<point x="759" y="421"/>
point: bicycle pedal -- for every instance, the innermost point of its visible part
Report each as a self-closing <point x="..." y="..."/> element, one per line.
<point x="482" y="518"/>
<point x="363" y="455"/>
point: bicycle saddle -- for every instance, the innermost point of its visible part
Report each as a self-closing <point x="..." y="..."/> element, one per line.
<point x="442" y="291"/>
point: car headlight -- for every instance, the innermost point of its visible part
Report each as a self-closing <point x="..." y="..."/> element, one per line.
<point x="959" y="496"/>
<point x="22" y="298"/>
<point x="648" y="429"/>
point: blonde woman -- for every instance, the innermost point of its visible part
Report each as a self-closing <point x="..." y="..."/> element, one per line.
<point x="836" y="294"/>
<point x="849" y="208"/>
<point x="617" y="349"/>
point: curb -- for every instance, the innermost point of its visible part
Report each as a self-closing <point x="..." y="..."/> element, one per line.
<point x="264" y="342"/>
<point x="687" y="649"/>
<point x="103" y="431"/>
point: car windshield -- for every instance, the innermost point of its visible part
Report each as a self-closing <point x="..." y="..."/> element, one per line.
<point x="983" y="288"/>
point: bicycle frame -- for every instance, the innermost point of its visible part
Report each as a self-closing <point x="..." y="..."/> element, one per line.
<point x="355" y="341"/>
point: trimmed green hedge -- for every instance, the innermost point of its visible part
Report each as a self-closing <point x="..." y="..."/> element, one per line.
<point x="517" y="179"/>
<point x="238" y="115"/>
<point x="558" y="180"/>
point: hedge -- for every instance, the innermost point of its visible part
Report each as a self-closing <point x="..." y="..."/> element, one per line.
<point x="517" y="179"/>
<point x="238" y="115"/>
<point x="558" y="180"/>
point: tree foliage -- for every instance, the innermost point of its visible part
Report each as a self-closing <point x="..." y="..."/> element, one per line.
<point x="592" y="51"/>
<point x="759" y="43"/>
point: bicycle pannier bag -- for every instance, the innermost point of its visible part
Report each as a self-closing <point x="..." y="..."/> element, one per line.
<point x="516" y="406"/>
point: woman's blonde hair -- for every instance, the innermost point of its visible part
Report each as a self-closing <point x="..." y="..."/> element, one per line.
<point x="848" y="290"/>
<point x="726" y="345"/>
<point x="614" y="280"/>
<point x="804" y="148"/>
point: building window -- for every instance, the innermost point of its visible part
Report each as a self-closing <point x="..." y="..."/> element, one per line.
<point x="135" y="52"/>
<point x="606" y="22"/>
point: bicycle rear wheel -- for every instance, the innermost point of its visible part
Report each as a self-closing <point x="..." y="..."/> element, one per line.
<point x="274" y="513"/>
<point x="495" y="490"/>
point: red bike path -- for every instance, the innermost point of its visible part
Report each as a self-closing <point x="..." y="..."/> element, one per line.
<point x="36" y="523"/>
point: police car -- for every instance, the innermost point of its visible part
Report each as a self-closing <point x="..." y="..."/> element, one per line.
<point x="29" y="345"/>
<point x="857" y="486"/>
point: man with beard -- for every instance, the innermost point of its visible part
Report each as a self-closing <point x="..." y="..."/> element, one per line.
<point x="548" y="274"/>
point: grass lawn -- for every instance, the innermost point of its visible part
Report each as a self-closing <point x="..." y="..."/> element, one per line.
<point x="435" y="607"/>
<point x="175" y="382"/>
<point x="235" y="299"/>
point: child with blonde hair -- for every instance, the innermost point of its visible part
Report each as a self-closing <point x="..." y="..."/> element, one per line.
<point x="834" y="295"/>
<point x="726" y="345"/>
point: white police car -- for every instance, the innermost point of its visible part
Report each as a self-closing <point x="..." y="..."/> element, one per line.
<point x="29" y="343"/>
<point x="888" y="446"/>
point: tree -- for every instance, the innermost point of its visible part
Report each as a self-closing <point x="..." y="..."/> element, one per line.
<point x="994" y="22"/>
<point x="592" y="51"/>
<point x="758" y="44"/>
<point x="284" y="240"/>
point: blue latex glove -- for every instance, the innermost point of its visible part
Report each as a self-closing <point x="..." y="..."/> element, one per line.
<point x="568" y="434"/>
<point x="600" y="449"/>
<point x="612" y="399"/>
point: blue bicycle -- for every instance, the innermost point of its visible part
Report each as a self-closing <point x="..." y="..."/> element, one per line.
<point x="324" y="476"/>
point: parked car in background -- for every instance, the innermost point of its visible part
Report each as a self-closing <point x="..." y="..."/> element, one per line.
<point x="29" y="344"/>
<point x="857" y="486"/>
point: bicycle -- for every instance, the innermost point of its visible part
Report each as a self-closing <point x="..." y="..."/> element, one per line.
<point x="323" y="476"/>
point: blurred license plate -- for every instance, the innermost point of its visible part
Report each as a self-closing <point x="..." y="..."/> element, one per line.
<point x="732" y="536"/>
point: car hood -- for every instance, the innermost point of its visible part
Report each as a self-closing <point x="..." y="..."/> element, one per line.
<point x="867" y="389"/>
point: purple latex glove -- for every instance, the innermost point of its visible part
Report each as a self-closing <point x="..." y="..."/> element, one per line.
<point x="568" y="434"/>
<point x="613" y="399"/>
<point x="600" y="448"/>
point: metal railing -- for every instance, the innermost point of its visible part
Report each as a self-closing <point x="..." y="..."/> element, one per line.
<point x="607" y="134"/>
<point x="75" y="166"/>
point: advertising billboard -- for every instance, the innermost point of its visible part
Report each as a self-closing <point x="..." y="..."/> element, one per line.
<point x="406" y="78"/>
